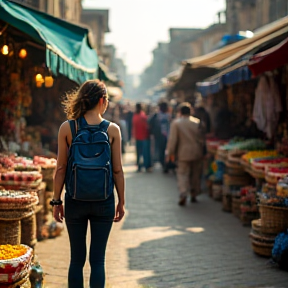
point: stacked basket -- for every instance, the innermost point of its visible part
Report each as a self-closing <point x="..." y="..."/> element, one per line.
<point x="234" y="174"/>
<point x="273" y="220"/>
<point x="15" y="207"/>
<point x="262" y="238"/>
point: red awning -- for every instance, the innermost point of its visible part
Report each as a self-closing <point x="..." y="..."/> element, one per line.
<point x="270" y="59"/>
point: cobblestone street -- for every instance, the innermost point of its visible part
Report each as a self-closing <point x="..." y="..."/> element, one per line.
<point x="160" y="244"/>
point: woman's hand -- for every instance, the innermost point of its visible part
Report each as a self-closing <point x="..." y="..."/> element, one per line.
<point x="120" y="212"/>
<point x="58" y="213"/>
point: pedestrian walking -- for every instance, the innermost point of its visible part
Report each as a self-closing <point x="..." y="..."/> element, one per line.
<point x="159" y="125"/>
<point x="185" y="143"/>
<point x="141" y="136"/>
<point x="85" y="143"/>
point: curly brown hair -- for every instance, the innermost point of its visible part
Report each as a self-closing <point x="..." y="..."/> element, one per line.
<point x="78" y="102"/>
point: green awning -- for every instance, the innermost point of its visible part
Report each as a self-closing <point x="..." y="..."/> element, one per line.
<point x="68" y="51"/>
<point x="105" y="75"/>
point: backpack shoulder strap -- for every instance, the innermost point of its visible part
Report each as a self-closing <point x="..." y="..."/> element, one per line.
<point x="104" y="125"/>
<point x="73" y="128"/>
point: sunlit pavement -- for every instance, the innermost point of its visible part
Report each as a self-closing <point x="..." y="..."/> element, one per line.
<point x="160" y="244"/>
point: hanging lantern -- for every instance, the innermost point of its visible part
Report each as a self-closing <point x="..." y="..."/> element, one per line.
<point x="39" y="80"/>
<point x="49" y="81"/>
<point x="5" y="50"/>
<point x="23" y="53"/>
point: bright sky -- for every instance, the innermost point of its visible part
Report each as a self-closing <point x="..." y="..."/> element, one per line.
<point x="138" y="25"/>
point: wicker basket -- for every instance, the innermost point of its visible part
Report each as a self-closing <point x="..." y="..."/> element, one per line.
<point x="48" y="198"/>
<point x="271" y="179"/>
<point x="263" y="249"/>
<point x="39" y="212"/>
<point x="15" y="214"/>
<point x="236" y="203"/>
<point x="236" y="180"/>
<point x="28" y="231"/>
<point x="41" y="193"/>
<point x="49" y="184"/>
<point x="235" y="171"/>
<point x="274" y="217"/>
<point x="10" y="232"/>
<point x="47" y="173"/>
<point x="18" y="205"/>
<point x="260" y="229"/>
<point x="227" y="202"/>
<point x="268" y="239"/>
<point x="16" y="269"/>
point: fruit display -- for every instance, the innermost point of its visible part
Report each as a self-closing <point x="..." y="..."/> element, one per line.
<point x="11" y="251"/>
<point x="258" y="154"/>
<point x="282" y="188"/>
<point x="45" y="162"/>
<point x="274" y="174"/>
<point x="213" y="144"/>
<point x="262" y="163"/>
<point x="17" y="198"/>
<point x="248" y="206"/>
<point x="249" y="145"/>
<point x="20" y="179"/>
<point x="15" y="262"/>
<point x="12" y="162"/>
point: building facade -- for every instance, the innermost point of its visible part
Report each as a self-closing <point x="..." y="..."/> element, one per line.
<point x="97" y="20"/>
<point x="245" y="15"/>
<point x="69" y="10"/>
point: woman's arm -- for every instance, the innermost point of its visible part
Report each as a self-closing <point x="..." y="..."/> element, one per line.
<point x="60" y="172"/>
<point x="118" y="175"/>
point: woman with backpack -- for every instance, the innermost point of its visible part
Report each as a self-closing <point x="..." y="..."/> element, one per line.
<point x="89" y="164"/>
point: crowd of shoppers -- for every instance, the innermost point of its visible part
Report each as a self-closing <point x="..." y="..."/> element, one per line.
<point x="170" y="136"/>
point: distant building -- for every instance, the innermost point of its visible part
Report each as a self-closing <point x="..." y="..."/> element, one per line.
<point x="245" y="15"/>
<point x="69" y="10"/>
<point x="98" y="21"/>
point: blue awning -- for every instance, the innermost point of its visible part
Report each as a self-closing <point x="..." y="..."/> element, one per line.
<point x="229" y="76"/>
<point x="68" y="51"/>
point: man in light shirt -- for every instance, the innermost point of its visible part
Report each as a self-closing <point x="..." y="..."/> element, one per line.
<point x="185" y="143"/>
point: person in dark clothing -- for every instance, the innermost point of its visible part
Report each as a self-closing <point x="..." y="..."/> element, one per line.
<point x="159" y="125"/>
<point x="201" y="113"/>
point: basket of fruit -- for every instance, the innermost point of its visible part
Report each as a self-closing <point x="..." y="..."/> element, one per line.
<point x="18" y="180"/>
<point x="15" y="262"/>
<point x="13" y="200"/>
<point x="47" y="166"/>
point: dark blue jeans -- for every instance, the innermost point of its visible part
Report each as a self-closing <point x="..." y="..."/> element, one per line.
<point x="143" y="149"/>
<point x="100" y="215"/>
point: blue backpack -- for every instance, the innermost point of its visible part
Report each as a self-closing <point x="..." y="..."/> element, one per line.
<point x="89" y="175"/>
